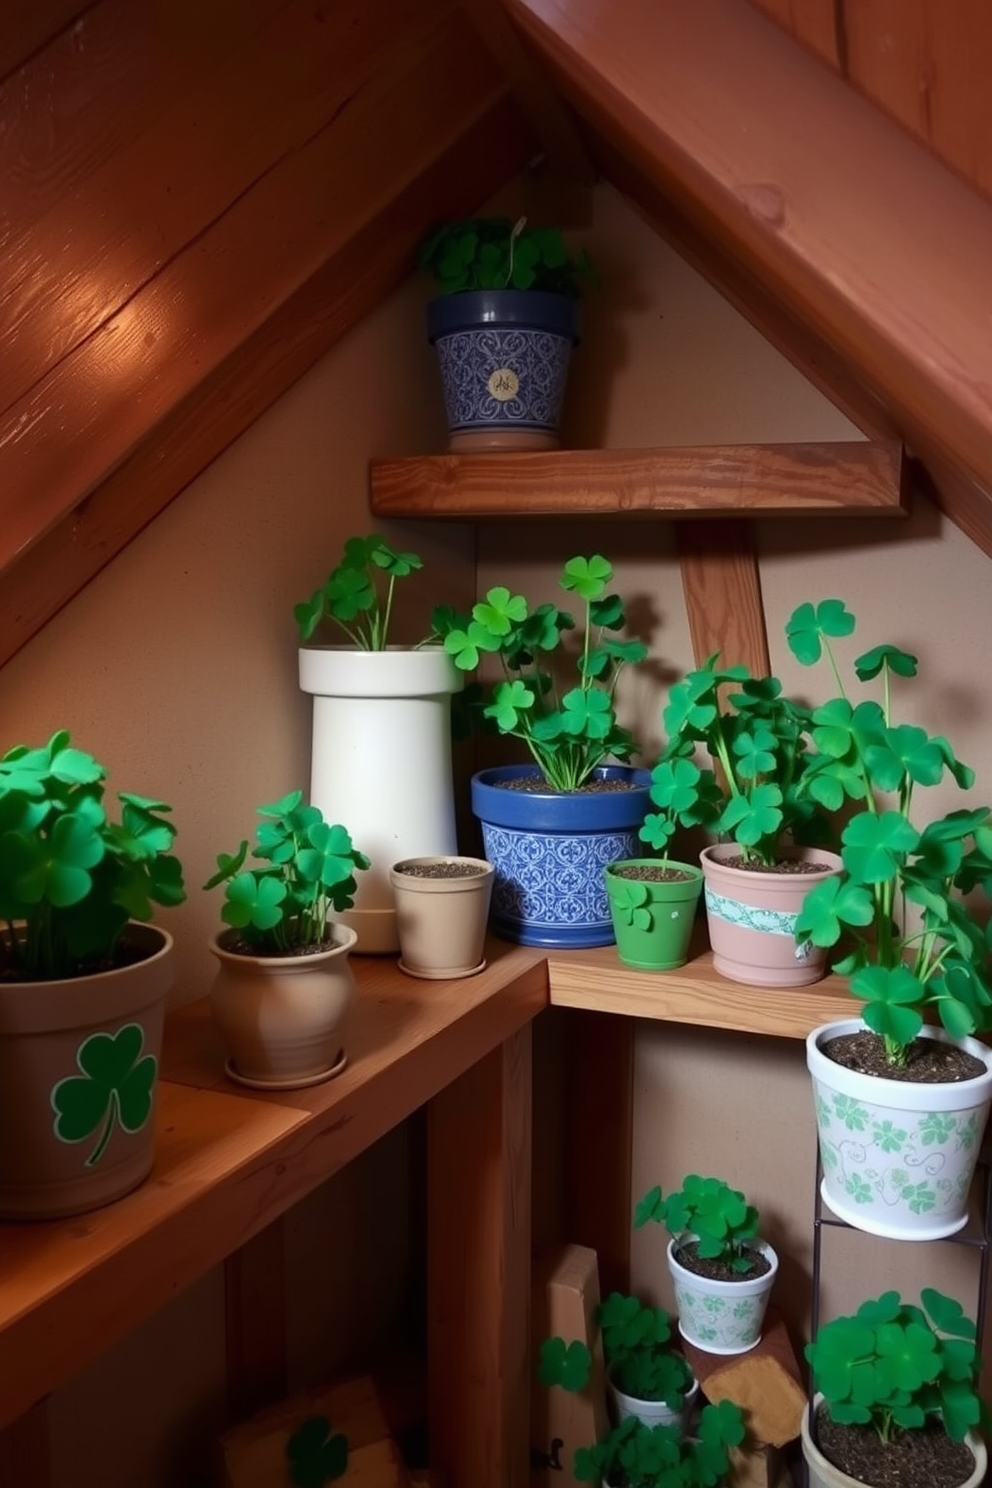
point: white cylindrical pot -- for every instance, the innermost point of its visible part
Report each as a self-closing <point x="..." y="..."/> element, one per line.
<point x="381" y="765"/>
<point x="651" y="1412"/>
<point x="823" y="1474"/>
<point x="722" y="1317"/>
<point x="284" y="1019"/>
<point x="897" y="1157"/>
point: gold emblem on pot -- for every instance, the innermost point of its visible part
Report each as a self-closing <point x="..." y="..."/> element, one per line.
<point x="503" y="384"/>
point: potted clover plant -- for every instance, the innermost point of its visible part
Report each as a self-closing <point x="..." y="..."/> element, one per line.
<point x="897" y="1100"/>
<point x="381" y="749"/>
<point x="895" y="1397"/>
<point x="84" y="976"/>
<point x="503" y="323"/>
<point x="771" y="835"/>
<point x="555" y="693"/>
<point x="633" y="1455"/>
<point x="721" y="1270"/>
<point x="646" y="1376"/>
<point x="283" y="991"/>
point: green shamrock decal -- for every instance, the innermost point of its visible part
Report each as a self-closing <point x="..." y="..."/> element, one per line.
<point x="315" y="1454"/>
<point x="115" y="1086"/>
<point x="630" y="899"/>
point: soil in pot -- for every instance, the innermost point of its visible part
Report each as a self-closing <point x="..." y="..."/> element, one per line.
<point x="715" y="1269"/>
<point x="597" y="785"/>
<point x="653" y="873"/>
<point x="925" y="1458"/>
<point x="928" y="1061"/>
<point x="782" y="866"/>
<point x="455" y="869"/>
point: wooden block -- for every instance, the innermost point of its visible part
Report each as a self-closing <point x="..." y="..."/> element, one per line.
<point x="254" y="1455"/>
<point x="765" y="1383"/>
<point x="564" y="1303"/>
<point x="758" y="1467"/>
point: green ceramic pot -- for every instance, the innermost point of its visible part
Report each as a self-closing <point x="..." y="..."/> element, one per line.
<point x="652" y="917"/>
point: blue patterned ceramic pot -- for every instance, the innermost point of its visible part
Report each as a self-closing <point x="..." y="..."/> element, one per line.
<point x="503" y="356"/>
<point x="550" y="850"/>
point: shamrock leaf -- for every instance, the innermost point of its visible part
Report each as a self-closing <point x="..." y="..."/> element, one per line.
<point x="500" y="611"/>
<point x="115" y="1086"/>
<point x="510" y="701"/>
<point x="629" y="898"/>
<point x="253" y="899"/>
<point x="315" y="1454"/>
<point x="587" y="577"/>
<point x="587" y="714"/>
<point x="893" y="997"/>
<point x="753" y="816"/>
<point x="829" y="906"/>
<point x="875" y="845"/>
<point x="564" y="1364"/>
<point x="807" y="627"/>
<point x="889" y="657"/>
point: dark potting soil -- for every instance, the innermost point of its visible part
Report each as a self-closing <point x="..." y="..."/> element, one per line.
<point x="537" y="784"/>
<point x="653" y="873"/>
<point x="457" y="869"/>
<point x="927" y="1061"/>
<point x="782" y="865"/>
<point x="926" y="1458"/>
<point x="688" y="1256"/>
<point x="240" y="947"/>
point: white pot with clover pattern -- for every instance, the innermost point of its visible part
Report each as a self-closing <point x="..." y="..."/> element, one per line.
<point x="722" y="1317"/>
<point x="79" y="1062"/>
<point x="897" y="1157"/>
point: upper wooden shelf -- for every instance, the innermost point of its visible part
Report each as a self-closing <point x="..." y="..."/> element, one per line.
<point x="228" y="1161"/>
<point x="695" y="993"/>
<point x="859" y="478"/>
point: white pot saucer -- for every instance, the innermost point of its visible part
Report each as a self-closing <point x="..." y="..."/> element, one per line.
<point x="298" y="1084"/>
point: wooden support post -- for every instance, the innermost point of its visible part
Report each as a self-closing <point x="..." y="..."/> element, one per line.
<point x="24" y="1461"/>
<point x="479" y="1176"/>
<point x="599" y="1124"/>
<point x="723" y="593"/>
<point x="255" y="1319"/>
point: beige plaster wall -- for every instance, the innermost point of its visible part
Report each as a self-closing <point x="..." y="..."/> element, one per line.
<point x="177" y="667"/>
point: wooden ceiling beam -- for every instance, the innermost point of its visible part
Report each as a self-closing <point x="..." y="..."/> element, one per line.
<point x="862" y="237"/>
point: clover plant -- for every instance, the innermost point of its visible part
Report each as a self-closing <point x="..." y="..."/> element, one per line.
<point x="71" y="878"/>
<point x="757" y="740"/>
<point x="916" y="943"/>
<point x="637" y="1350"/>
<point x="316" y="1454"/>
<point x="306" y="869"/>
<point x="895" y="1365"/>
<point x="358" y="594"/>
<point x="720" y="1217"/>
<point x="639" y="1456"/>
<point x="497" y="253"/>
<point x="569" y="730"/>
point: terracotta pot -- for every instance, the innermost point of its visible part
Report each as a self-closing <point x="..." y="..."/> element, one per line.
<point x="78" y="1068"/>
<point x="284" y="1019"/>
<point x="442" y="920"/>
<point x="897" y="1157"/>
<point x="751" y="918"/>
<point x="823" y="1474"/>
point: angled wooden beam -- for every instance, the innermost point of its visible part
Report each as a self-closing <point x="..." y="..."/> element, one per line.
<point x="853" y="225"/>
<point x="541" y="104"/>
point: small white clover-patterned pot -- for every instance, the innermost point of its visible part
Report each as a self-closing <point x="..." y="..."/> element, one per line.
<point x="651" y="1412"/>
<point x="897" y="1157"/>
<point x="722" y="1317"/>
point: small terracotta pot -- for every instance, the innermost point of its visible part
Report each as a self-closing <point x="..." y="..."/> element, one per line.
<point x="284" y="1019"/>
<point x="442" y="920"/>
<point x="751" y="918"/>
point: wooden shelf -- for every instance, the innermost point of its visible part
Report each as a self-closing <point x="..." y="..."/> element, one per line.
<point x="860" y="478"/>
<point x="695" y="993"/>
<point x="229" y="1161"/>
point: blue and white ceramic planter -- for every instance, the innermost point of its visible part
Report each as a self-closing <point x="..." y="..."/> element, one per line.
<point x="549" y="851"/>
<point x="897" y="1157"/>
<point x="503" y="356"/>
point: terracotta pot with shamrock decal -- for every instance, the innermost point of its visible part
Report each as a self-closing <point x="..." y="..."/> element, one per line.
<point x="83" y="980"/>
<point x="78" y="1065"/>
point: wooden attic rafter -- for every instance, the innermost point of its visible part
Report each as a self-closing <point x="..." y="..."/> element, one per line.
<point x="832" y="222"/>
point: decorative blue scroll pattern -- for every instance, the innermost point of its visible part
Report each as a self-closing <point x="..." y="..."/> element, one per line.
<point x="536" y="362"/>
